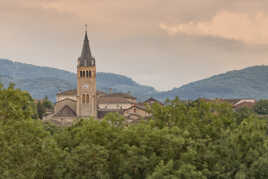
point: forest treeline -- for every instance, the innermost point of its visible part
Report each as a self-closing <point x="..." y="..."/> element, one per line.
<point x="181" y="140"/>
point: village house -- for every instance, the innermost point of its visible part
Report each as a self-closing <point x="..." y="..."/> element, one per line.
<point x="136" y="112"/>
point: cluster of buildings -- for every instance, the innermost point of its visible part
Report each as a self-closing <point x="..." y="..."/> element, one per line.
<point x="66" y="111"/>
<point x="85" y="101"/>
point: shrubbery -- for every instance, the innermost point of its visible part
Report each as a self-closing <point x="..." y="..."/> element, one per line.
<point x="193" y="140"/>
<point x="261" y="107"/>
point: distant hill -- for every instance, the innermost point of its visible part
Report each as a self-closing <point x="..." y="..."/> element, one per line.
<point x="250" y="82"/>
<point x="45" y="81"/>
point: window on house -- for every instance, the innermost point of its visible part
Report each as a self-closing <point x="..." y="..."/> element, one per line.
<point x="84" y="73"/>
<point x="81" y="74"/>
<point x="90" y="74"/>
<point x="87" y="73"/>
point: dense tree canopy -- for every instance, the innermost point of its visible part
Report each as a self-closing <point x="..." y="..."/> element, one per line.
<point x="181" y="140"/>
<point x="261" y="107"/>
<point x="43" y="106"/>
<point x="16" y="104"/>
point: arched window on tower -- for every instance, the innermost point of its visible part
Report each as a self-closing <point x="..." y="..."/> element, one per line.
<point x="84" y="73"/>
<point x="87" y="101"/>
<point x="83" y="99"/>
<point x="81" y="74"/>
<point x="90" y="74"/>
<point x="87" y="73"/>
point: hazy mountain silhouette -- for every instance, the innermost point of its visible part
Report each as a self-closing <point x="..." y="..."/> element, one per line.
<point x="250" y="82"/>
<point x="45" y="81"/>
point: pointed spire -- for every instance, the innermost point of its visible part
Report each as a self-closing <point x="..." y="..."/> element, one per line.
<point x="86" y="58"/>
<point x="86" y="53"/>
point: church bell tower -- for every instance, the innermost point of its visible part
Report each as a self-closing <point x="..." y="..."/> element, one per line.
<point x="86" y="82"/>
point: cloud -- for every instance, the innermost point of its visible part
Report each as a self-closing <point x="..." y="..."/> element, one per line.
<point x="251" y="29"/>
<point x="125" y="36"/>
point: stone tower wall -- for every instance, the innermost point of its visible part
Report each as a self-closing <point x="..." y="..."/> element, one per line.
<point x="86" y="91"/>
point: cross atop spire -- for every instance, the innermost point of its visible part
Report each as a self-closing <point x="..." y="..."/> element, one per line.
<point x="86" y="53"/>
<point x="86" y="58"/>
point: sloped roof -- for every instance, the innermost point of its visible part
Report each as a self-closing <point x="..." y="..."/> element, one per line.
<point x="86" y="58"/>
<point x="86" y="52"/>
<point x="66" y="111"/>
<point x="244" y="104"/>
<point x="73" y="92"/>
<point x="138" y="106"/>
<point x="112" y="100"/>
<point x="122" y="95"/>
<point x="252" y="101"/>
<point x="66" y="100"/>
<point x="152" y="100"/>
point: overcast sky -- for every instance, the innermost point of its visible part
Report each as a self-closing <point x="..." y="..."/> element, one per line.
<point x="162" y="43"/>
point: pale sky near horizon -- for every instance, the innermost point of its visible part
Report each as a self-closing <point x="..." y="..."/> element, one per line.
<point x="164" y="44"/>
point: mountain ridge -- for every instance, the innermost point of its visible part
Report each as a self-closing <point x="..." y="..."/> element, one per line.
<point x="250" y="82"/>
<point x="47" y="81"/>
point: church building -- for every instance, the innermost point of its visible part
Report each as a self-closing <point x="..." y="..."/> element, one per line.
<point x="81" y="102"/>
<point x="86" y="101"/>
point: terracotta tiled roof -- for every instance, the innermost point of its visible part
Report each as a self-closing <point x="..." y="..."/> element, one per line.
<point x="112" y="100"/>
<point x="152" y="100"/>
<point x="142" y="107"/>
<point x="122" y="95"/>
<point x="73" y="92"/>
<point x="66" y="100"/>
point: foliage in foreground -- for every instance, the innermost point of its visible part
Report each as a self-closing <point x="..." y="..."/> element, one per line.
<point x="43" y="106"/>
<point x="261" y="107"/>
<point x="194" y="140"/>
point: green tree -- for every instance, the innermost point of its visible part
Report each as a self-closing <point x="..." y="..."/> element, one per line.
<point x="47" y="104"/>
<point x="40" y="110"/>
<point x="27" y="150"/>
<point x="16" y="104"/>
<point x="198" y="139"/>
<point x="261" y="107"/>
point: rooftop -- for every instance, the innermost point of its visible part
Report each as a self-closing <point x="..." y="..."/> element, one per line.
<point x="73" y="92"/>
<point x="112" y="100"/>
